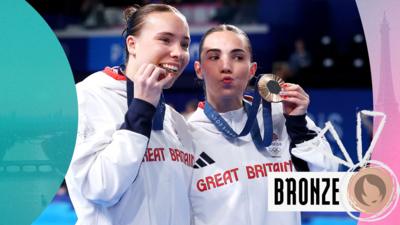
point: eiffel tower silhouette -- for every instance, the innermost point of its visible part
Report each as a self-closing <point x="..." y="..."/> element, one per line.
<point x="386" y="101"/>
<point x="387" y="146"/>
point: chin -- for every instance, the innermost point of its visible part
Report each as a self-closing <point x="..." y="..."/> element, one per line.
<point x="168" y="85"/>
<point x="171" y="83"/>
<point x="229" y="93"/>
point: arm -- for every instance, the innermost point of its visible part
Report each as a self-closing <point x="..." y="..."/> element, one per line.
<point x="298" y="133"/>
<point x="303" y="131"/>
<point x="107" y="159"/>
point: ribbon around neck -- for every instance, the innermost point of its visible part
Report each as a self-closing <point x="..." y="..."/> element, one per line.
<point x="251" y="124"/>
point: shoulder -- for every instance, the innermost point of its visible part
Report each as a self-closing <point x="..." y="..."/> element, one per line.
<point x="90" y="84"/>
<point x="91" y="80"/>
<point x="198" y="116"/>
<point x="99" y="83"/>
<point x="173" y="116"/>
<point x="180" y="125"/>
<point x="100" y="92"/>
<point x="86" y="89"/>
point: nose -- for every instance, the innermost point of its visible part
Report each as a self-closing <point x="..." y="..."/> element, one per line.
<point x="226" y="65"/>
<point x="177" y="52"/>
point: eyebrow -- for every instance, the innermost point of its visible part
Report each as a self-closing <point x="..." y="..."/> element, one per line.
<point x="236" y="50"/>
<point x="171" y="34"/>
<point x="212" y="50"/>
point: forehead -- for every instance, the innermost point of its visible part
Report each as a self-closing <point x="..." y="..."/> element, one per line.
<point x="225" y="40"/>
<point x="165" y="22"/>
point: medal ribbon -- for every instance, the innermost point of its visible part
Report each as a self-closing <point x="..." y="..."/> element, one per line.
<point x="251" y="124"/>
<point x="224" y="127"/>
<point x="268" y="128"/>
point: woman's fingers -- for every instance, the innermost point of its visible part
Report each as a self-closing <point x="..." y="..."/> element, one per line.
<point x="146" y="85"/>
<point x="156" y="74"/>
<point x="293" y="94"/>
<point x="168" y="77"/>
<point x="293" y="87"/>
<point x="148" y="71"/>
<point x="295" y="99"/>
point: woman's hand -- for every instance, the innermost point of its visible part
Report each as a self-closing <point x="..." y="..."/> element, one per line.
<point x="147" y="85"/>
<point x="295" y="100"/>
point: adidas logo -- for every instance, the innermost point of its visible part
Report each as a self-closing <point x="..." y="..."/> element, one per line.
<point x="203" y="161"/>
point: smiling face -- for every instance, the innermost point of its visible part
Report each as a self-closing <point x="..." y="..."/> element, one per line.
<point x="225" y="67"/>
<point x="163" y="41"/>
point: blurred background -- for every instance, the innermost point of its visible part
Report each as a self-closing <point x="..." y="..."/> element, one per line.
<point x="318" y="44"/>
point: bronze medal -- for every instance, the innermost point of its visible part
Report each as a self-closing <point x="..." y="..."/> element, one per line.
<point x="370" y="190"/>
<point x="269" y="86"/>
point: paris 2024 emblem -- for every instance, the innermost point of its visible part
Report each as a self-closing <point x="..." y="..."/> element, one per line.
<point x="370" y="190"/>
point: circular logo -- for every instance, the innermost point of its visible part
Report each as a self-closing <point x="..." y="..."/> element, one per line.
<point x="372" y="190"/>
<point x="275" y="149"/>
<point x="269" y="87"/>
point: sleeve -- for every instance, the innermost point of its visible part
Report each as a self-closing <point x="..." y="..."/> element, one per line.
<point x="106" y="160"/>
<point x="309" y="152"/>
<point x="139" y="117"/>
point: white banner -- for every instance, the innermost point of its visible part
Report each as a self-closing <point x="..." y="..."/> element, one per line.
<point x="309" y="191"/>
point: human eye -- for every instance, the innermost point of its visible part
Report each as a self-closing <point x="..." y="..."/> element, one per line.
<point x="185" y="45"/>
<point x="239" y="57"/>
<point x="165" y="40"/>
<point x="213" y="57"/>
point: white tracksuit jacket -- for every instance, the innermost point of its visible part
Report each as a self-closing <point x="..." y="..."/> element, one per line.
<point x="112" y="179"/>
<point x="229" y="184"/>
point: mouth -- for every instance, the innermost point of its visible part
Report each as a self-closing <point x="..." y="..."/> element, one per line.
<point x="169" y="68"/>
<point x="227" y="80"/>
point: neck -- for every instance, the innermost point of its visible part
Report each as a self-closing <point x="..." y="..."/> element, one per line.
<point x="222" y="105"/>
<point x="129" y="69"/>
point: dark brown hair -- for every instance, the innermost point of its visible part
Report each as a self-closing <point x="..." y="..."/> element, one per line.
<point x="373" y="180"/>
<point x="226" y="27"/>
<point x="135" y="16"/>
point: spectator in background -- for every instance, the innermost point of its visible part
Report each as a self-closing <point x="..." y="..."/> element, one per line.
<point x="236" y="12"/>
<point x="104" y="13"/>
<point x="190" y="107"/>
<point x="300" y="59"/>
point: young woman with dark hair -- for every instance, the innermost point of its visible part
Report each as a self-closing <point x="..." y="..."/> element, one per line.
<point x="133" y="157"/>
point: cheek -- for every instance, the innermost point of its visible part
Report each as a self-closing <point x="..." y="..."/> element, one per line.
<point x="245" y="73"/>
<point x="209" y="78"/>
<point x="154" y="51"/>
<point x="146" y="55"/>
<point x="209" y="81"/>
<point x="210" y="69"/>
<point x="186" y="58"/>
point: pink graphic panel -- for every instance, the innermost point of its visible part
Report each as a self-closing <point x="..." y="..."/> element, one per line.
<point x="381" y="23"/>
